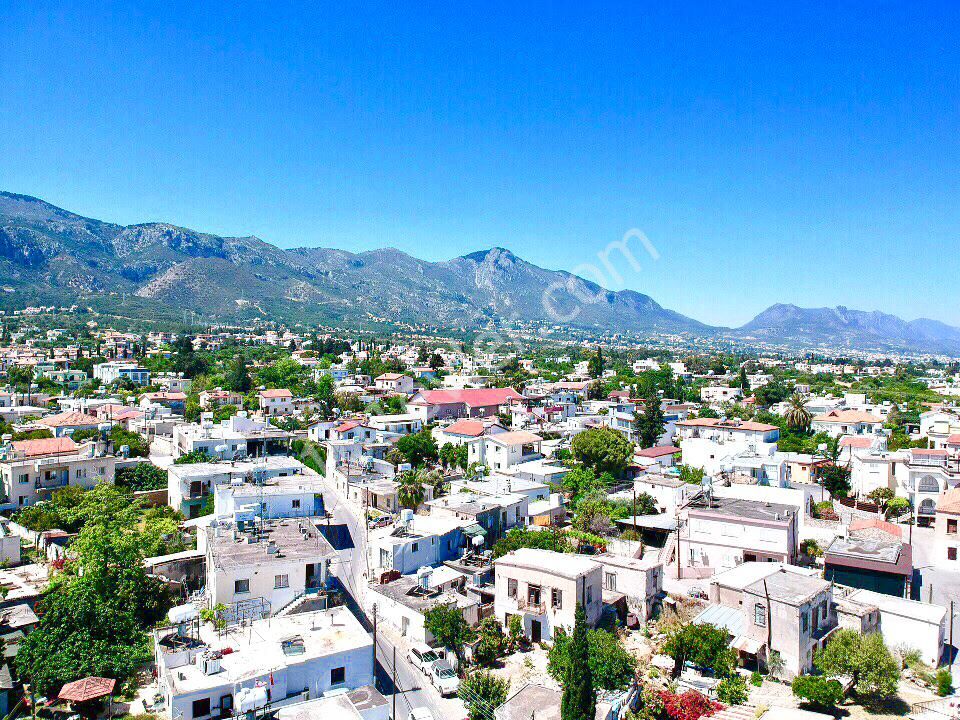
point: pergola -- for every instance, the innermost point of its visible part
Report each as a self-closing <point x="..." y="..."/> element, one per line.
<point x="87" y="690"/>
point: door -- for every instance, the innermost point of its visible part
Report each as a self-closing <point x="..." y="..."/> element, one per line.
<point x="404" y="626"/>
<point x="535" y="631"/>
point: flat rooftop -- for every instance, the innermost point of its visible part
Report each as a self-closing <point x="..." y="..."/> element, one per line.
<point x="567" y="565"/>
<point x="406" y="591"/>
<point x="283" y="539"/>
<point x="746" y="509"/>
<point x="239" y="468"/>
<point x="271" y="645"/>
<point x="788" y="587"/>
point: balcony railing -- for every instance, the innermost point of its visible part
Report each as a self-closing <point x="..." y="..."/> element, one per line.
<point x="530" y="605"/>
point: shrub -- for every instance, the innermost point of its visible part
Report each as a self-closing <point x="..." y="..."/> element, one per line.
<point x="689" y="706"/>
<point x="733" y="690"/>
<point x="944" y="682"/>
<point x="756" y="678"/>
<point x="818" y="691"/>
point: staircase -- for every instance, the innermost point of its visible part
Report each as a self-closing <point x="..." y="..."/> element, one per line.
<point x="947" y="708"/>
<point x="736" y="712"/>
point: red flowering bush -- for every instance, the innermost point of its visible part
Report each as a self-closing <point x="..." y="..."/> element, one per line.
<point x="691" y="705"/>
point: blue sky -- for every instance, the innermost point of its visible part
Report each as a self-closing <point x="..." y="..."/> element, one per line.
<point x="771" y="154"/>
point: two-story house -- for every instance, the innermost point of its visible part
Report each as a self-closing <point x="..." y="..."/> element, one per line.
<point x="544" y="588"/>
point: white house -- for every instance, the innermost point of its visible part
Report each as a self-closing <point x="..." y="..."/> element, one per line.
<point x="113" y="370"/>
<point x="641" y="581"/>
<point x="718" y="394"/>
<point x="32" y="470"/>
<point x="502" y="451"/>
<point x="847" y="422"/>
<point x="275" y="402"/>
<point x="544" y="588"/>
<point x="394" y="382"/>
<point x="263" y="665"/>
<point x="267" y="564"/>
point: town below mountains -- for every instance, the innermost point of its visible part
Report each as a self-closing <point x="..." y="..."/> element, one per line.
<point x="50" y="256"/>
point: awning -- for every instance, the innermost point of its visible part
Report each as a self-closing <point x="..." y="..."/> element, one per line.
<point x="747" y="644"/>
<point x="474" y="531"/>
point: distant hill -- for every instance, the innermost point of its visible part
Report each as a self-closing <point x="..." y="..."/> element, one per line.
<point x="48" y="254"/>
<point x="841" y="327"/>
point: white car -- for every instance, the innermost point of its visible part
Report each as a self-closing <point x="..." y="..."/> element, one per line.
<point x="423" y="656"/>
<point x="421" y="713"/>
<point x="444" y="678"/>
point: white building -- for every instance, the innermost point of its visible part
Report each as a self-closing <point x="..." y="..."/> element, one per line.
<point x="113" y="370"/>
<point x="544" y="588"/>
<point x="502" y="451"/>
<point x="261" y="666"/>
<point x="189" y="485"/>
<point x="908" y="623"/>
<point x="847" y="422"/>
<point x="235" y="438"/>
<point x="32" y="470"/>
<point x="719" y="394"/>
<point x="274" y="403"/>
<point x="641" y="581"/>
<point x="265" y="565"/>
<point x="394" y="382"/>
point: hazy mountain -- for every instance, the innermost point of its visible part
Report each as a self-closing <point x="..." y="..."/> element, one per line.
<point x="51" y="255"/>
<point x="841" y="327"/>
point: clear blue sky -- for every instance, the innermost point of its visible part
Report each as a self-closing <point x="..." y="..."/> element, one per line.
<point x="807" y="155"/>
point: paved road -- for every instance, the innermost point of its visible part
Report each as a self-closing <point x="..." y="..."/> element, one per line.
<point x="348" y="535"/>
<point x="938" y="584"/>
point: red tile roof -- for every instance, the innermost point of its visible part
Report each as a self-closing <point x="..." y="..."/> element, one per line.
<point x="278" y="393"/>
<point x="953" y="440"/>
<point x="658" y="451"/>
<point x="471" y="397"/>
<point x="848" y="416"/>
<point x="45" y="446"/>
<point x="68" y="419"/>
<point x="856" y="442"/>
<point x="90" y="688"/>
<point x="471" y="428"/>
<point x="727" y="424"/>
<point x="950" y="501"/>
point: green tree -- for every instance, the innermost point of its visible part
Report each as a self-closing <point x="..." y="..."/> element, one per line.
<point x="418" y="448"/>
<point x="448" y="627"/>
<point x="704" y="645"/>
<point x="819" y="692"/>
<point x="797" y="415"/>
<point x="865" y="659"/>
<point x="411" y="488"/>
<point x="603" y="450"/>
<point x="596" y="364"/>
<point x="648" y="424"/>
<point x="611" y="665"/>
<point x="897" y="507"/>
<point x="518" y="537"/>
<point x="237" y="377"/>
<point x="579" y="699"/>
<point x="491" y="642"/>
<point x="192" y="457"/>
<point x="836" y="479"/>
<point x="743" y="382"/>
<point x="482" y="693"/>
<point x="142" y="476"/>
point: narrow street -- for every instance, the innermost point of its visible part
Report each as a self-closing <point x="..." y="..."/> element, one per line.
<point x="347" y="533"/>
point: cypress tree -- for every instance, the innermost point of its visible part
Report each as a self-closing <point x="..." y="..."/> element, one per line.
<point x="579" y="700"/>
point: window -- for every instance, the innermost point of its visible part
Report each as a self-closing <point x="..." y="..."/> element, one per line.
<point x="281" y="581"/>
<point x="951" y="527"/>
<point x="589" y="594"/>
<point x="415" y="547"/>
<point x="201" y="707"/>
<point x="511" y="587"/>
<point x="23" y="479"/>
<point x="610" y="581"/>
<point x="951" y="553"/>
<point x="295" y="504"/>
<point x="759" y="615"/>
<point x="804" y="622"/>
<point x="556" y="599"/>
<point x="241" y="586"/>
<point x="338" y="675"/>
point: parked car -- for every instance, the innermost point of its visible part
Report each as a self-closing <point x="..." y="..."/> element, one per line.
<point x="382" y="521"/>
<point x="422" y="657"/>
<point x="444" y="678"/>
<point x="421" y="713"/>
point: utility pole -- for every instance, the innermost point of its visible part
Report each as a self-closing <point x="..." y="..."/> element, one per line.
<point x="395" y="688"/>
<point x="634" y="509"/>
<point x="374" y="638"/>
<point x="951" y="629"/>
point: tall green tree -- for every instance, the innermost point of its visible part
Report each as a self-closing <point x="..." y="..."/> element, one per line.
<point x="648" y="424"/>
<point x="482" y="693"/>
<point x="579" y="700"/>
<point x="798" y="417"/>
<point x="863" y="658"/>
<point x="596" y="364"/>
<point x="603" y="450"/>
<point x="238" y="376"/>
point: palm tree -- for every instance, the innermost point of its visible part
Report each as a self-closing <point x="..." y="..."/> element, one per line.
<point x="797" y="416"/>
<point x="410" y="492"/>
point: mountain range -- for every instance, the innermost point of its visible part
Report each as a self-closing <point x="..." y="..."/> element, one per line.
<point x="52" y="256"/>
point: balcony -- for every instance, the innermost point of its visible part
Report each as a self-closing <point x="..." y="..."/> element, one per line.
<point x="532" y="605"/>
<point x="58" y="481"/>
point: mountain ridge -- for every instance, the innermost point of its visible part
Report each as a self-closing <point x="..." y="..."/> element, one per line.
<point x="49" y="255"/>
